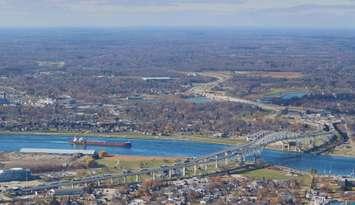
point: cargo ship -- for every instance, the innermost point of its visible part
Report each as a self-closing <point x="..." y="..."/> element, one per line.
<point x="82" y="141"/>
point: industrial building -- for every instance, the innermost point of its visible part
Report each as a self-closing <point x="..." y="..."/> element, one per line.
<point x="60" y="151"/>
<point x="68" y="192"/>
<point x="156" y="78"/>
<point x="15" y="174"/>
<point x="4" y="100"/>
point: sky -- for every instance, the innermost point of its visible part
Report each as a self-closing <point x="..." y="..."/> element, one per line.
<point x="174" y="13"/>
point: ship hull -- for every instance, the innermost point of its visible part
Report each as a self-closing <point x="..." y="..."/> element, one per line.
<point x="104" y="144"/>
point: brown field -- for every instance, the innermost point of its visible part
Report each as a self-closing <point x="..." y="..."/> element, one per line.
<point x="39" y="163"/>
<point x="271" y="74"/>
<point x="141" y="158"/>
<point x="134" y="162"/>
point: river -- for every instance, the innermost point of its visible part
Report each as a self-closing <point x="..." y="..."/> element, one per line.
<point x="179" y="148"/>
<point x="324" y="164"/>
<point x="143" y="147"/>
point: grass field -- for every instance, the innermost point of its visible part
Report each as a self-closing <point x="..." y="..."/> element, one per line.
<point x="117" y="163"/>
<point x="271" y="74"/>
<point x="266" y="174"/>
<point x="273" y="174"/>
<point x="345" y="150"/>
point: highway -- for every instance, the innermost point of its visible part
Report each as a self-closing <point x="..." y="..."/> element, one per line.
<point x="206" y="90"/>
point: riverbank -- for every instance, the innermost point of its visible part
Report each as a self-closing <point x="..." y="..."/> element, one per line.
<point x="135" y="135"/>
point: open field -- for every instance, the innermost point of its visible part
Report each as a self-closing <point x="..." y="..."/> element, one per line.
<point x="134" y="162"/>
<point x="276" y="174"/>
<point x="266" y="173"/>
<point x="345" y="150"/>
<point x="270" y="74"/>
<point x="40" y="163"/>
<point x="279" y="91"/>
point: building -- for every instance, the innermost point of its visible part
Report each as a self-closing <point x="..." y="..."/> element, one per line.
<point x="4" y="100"/>
<point x="60" y="151"/>
<point x="15" y="174"/>
<point x="135" y="97"/>
<point x="156" y="78"/>
<point x="68" y="192"/>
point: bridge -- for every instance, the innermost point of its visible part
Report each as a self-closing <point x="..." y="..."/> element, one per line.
<point x="236" y="156"/>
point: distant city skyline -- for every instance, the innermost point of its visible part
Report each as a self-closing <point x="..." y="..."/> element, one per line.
<point x="136" y="13"/>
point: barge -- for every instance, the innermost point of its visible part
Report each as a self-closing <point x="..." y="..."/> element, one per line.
<point x="82" y="141"/>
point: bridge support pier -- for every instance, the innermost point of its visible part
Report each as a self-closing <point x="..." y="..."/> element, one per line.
<point x="225" y="159"/>
<point x="286" y="145"/>
<point x="243" y="159"/>
<point x="183" y="171"/>
<point x="137" y="178"/>
<point x="216" y="162"/>
<point x="153" y="175"/>
<point x="195" y="169"/>
<point x="238" y="159"/>
<point x="170" y="173"/>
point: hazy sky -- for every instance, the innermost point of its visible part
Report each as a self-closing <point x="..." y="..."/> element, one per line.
<point x="254" y="13"/>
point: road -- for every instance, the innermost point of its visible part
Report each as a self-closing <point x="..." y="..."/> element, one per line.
<point x="206" y="89"/>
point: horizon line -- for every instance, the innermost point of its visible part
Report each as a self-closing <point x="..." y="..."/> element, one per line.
<point x="184" y="27"/>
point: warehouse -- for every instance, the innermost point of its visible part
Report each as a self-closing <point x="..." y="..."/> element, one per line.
<point x="60" y="151"/>
<point x="15" y="174"/>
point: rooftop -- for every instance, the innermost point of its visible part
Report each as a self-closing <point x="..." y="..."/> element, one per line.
<point x="156" y="78"/>
<point x="58" y="151"/>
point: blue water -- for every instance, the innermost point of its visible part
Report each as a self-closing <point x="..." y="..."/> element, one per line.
<point x="198" y="100"/>
<point x="282" y="97"/>
<point x="306" y="162"/>
<point x="292" y="95"/>
<point x="141" y="147"/>
<point x="324" y="164"/>
<point x="340" y="203"/>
